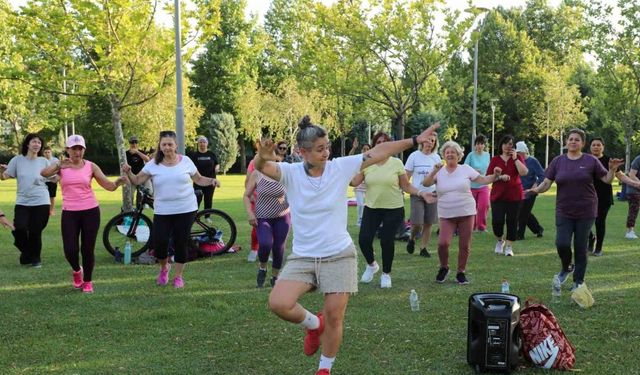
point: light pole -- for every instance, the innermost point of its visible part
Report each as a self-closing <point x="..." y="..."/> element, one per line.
<point x="493" y="123"/>
<point x="179" y="107"/>
<point x="475" y="10"/>
<point x="546" y="155"/>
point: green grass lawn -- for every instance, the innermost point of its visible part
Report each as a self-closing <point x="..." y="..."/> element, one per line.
<point x="220" y="323"/>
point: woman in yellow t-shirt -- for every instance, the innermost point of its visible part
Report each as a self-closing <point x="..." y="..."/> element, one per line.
<point x="384" y="204"/>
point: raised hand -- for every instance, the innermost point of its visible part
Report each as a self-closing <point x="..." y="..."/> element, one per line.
<point x="126" y="168"/>
<point x="428" y="132"/>
<point x="497" y="171"/>
<point x="267" y="149"/>
<point x="614" y="164"/>
<point x="513" y="154"/>
<point x="65" y="163"/>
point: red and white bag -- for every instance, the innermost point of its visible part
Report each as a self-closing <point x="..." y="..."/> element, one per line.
<point x="543" y="341"/>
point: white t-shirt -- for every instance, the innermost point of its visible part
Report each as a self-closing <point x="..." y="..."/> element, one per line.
<point x="319" y="206"/>
<point x="454" y="192"/>
<point x="172" y="187"/>
<point x="421" y="165"/>
<point x="32" y="190"/>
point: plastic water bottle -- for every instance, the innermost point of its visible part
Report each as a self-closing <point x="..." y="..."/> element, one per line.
<point x="218" y="235"/>
<point x="556" y="290"/>
<point x="127" y="253"/>
<point x="127" y="221"/>
<point x="505" y="286"/>
<point x="414" y="301"/>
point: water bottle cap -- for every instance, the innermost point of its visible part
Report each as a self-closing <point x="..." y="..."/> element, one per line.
<point x="413" y="290"/>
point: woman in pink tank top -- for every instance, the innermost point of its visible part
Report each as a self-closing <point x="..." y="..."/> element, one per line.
<point x="80" y="209"/>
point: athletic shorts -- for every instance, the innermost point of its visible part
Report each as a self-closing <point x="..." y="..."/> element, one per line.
<point x="53" y="188"/>
<point x="423" y="212"/>
<point x="333" y="274"/>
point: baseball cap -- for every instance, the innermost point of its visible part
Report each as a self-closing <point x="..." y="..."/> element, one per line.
<point x="133" y="139"/>
<point x="202" y="138"/>
<point x="75" y="140"/>
<point x="522" y="147"/>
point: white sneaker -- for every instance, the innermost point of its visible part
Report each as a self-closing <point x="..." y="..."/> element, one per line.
<point x="253" y="255"/>
<point x="385" y="280"/>
<point x="368" y="273"/>
<point x="631" y="235"/>
<point x="508" y="251"/>
<point x="499" y="247"/>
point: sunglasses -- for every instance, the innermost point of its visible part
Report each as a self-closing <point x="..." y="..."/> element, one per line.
<point x="133" y="142"/>
<point x="282" y="148"/>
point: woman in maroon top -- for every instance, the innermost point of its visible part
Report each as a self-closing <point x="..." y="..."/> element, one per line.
<point x="576" y="201"/>
<point x="506" y="194"/>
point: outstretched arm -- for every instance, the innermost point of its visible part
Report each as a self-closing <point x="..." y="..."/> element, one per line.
<point x="104" y="181"/>
<point x="386" y="149"/>
<point x="544" y="186"/>
<point x="136" y="179"/>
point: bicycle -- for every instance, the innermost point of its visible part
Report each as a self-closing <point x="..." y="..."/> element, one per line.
<point x="137" y="228"/>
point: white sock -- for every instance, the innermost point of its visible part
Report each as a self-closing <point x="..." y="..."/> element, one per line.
<point x="326" y="362"/>
<point x="310" y="321"/>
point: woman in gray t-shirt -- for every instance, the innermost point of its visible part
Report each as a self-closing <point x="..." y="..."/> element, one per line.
<point x="32" y="199"/>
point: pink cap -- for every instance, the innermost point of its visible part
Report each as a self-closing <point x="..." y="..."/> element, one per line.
<point x="75" y="140"/>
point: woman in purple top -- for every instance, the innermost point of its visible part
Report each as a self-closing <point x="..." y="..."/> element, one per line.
<point x="576" y="201"/>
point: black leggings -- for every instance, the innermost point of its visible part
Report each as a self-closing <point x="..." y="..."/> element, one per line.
<point x="79" y="233"/>
<point x="207" y="195"/>
<point x="29" y="221"/>
<point x="390" y="218"/>
<point x="177" y="227"/>
<point x="500" y="210"/>
<point x="526" y="218"/>
<point x="601" y="227"/>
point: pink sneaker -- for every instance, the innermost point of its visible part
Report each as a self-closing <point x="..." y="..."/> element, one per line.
<point x="77" y="279"/>
<point x="178" y="282"/>
<point x="87" y="287"/>
<point x="163" y="276"/>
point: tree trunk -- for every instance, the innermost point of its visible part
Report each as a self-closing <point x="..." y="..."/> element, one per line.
<point x="116" y="121"/>
<point x="243" y="156"/>
<point x="342" y="145"/>
<point x="398" y="129"/>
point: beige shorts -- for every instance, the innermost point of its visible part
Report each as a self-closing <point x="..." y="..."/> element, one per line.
<point x="334" y="274"/>
<point x="423" y="212"/>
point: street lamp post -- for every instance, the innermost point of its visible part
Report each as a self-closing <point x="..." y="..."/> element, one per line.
<point x="546" y="156"/>
<point x="493" y="123"/>
<point x="475" y="10"/>
<point x="179" y="107"/>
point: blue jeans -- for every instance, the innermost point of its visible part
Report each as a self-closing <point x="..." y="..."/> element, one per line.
<point x="578" y="230"/>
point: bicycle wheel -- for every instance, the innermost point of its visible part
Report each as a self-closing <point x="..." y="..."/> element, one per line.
<point x="214" y="225"/>
<point x="119" y="230"/>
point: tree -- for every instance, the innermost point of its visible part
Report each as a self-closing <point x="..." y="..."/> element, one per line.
<point x="393" y="48"/>
<point x="220" y="128"/>
<point x="113" y="49"/>
<point x="616" y="45"/>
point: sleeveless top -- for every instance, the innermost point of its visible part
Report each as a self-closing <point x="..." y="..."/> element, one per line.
<point x="271" y="202"/>
<point x="77" y="194"/>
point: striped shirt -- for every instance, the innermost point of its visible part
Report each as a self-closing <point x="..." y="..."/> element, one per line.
<point x="271" y="202"/>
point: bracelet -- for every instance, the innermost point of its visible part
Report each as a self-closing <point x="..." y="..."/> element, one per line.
<point x="415" y="140"/>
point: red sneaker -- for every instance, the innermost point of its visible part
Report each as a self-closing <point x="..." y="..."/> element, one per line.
<point x="323" y="371"/>
<point x="312" y="338"/>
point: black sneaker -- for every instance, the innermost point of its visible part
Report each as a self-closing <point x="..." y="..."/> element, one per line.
<point x="411" y="246"/>
<point x="462" y="279"/>
<point x="597" y="253"/>
<point x="425" y="253"/>
<point x="442" y="275"/>
<point x="272" y="281"/>
<point x="262" y="276"/>
<point x="539" y="234"/>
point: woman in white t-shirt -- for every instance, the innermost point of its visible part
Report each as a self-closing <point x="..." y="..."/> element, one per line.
<point x="456" y="206"/>
<point x="423" y="214"/>
<point x="174" y="204"/>
<point x="31" y="213"/>
<point x="323" y="255"/>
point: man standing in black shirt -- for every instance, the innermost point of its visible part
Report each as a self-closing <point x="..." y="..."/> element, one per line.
<point x="135" y="157"/>
<point x="207" y="164"/>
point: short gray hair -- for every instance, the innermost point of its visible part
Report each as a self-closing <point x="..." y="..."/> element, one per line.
<point x="455" y="146"/>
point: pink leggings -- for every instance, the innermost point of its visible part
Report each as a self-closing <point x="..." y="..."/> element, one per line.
<point x="481" y="196"/>
<point x="448" y="226"/>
